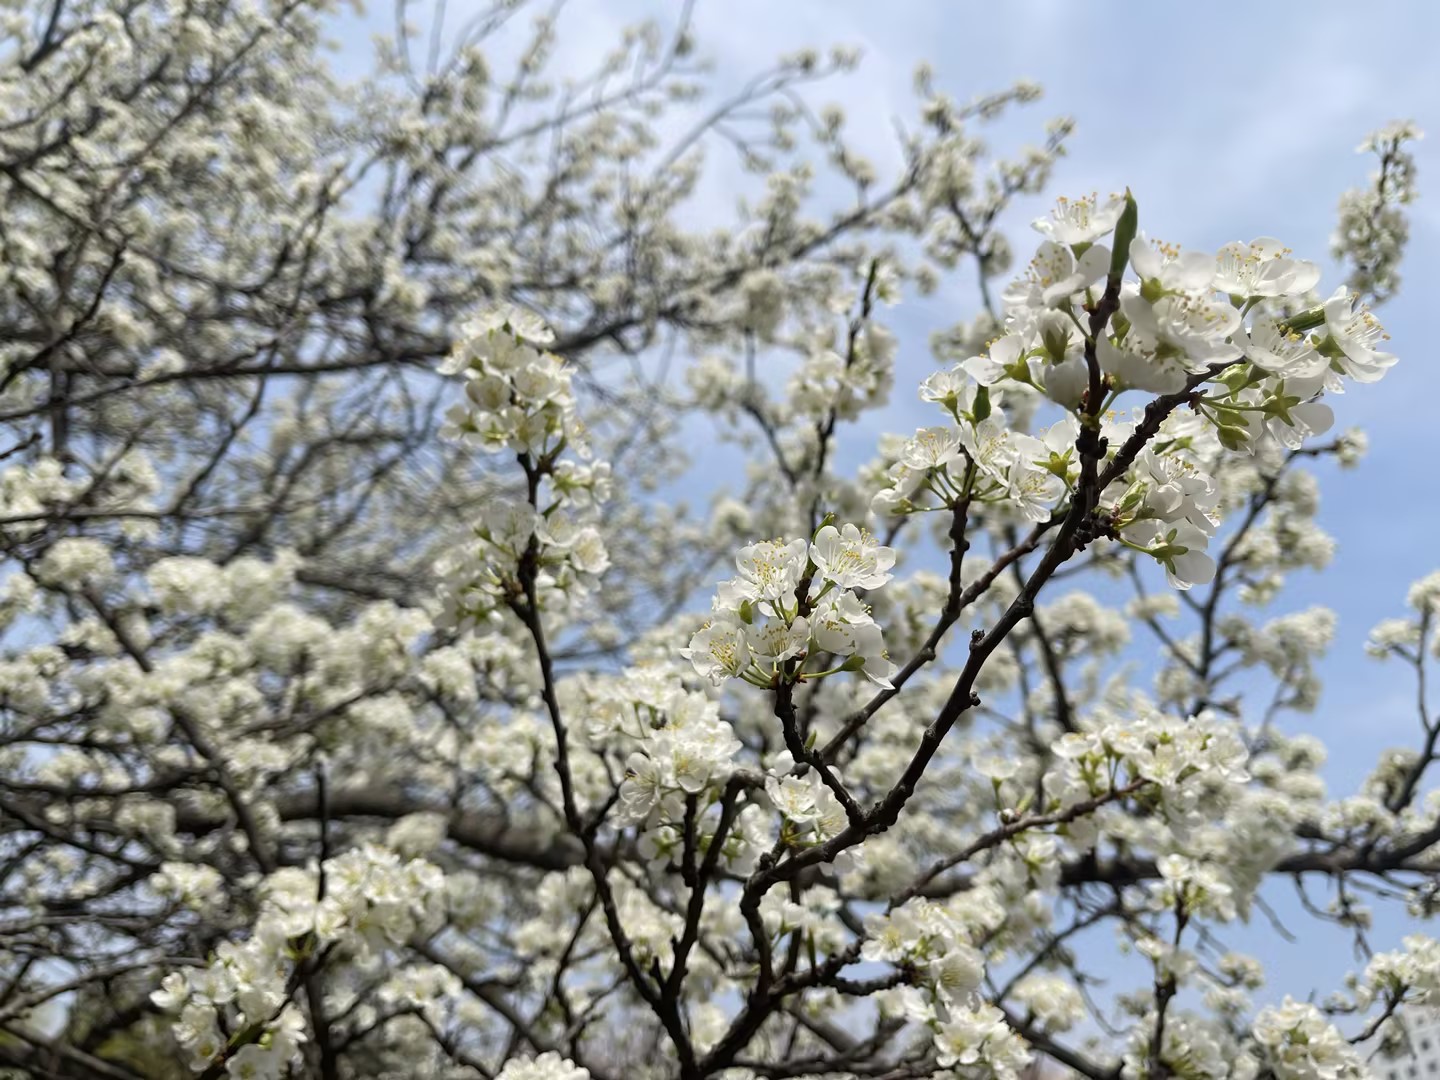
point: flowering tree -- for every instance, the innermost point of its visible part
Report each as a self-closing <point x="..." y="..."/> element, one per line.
<point x="359" y="717"/>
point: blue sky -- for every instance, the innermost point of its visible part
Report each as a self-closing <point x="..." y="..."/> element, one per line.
<point x="1228" y="121"/>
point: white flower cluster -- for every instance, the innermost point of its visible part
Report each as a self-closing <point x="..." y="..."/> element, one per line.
<point x="1411" y="973"/>
<point x="812" y="812"/>
<point x="1226" y="323"/>
<point x="520" y="399"/>
<point x="1053" y="1001"/>
<point x="929" y="938"/>
<point x="937" y="943"/>
<point x="981" y="1042"/>
<point x="1373" y="229"/>
<point x="75" y="562"/>
<point x="519" y="395"/>
<point x="793" y="600"/>
<point x="1166" y="508"/>
<point x="681" y="746"/>
<point x="197" y="887"/>
<point x="1176" y="756"/>
<point x="1195" y="887"/>
<point x="242" y="589"/>
<point x="1192" y="1046"/>
<point x="1297" y="1043"/>
<point x="481" y="579"/>
<point x="548" y="1066"/>
<point x="1409" y="637"/>
<point x="27" y="490"/>
<point x="372" y="902"/>
<point x="979" y="456"/>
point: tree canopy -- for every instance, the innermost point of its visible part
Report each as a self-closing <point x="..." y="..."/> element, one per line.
<point x="361" y="714"/>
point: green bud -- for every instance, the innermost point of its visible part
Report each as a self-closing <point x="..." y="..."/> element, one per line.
<point x="1305" y="320"/>
<point x="1125" y="230"/>
<point x="982" y="403"/>
<point x="747" y="612"/>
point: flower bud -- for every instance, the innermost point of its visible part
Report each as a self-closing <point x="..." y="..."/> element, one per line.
<point x="1125" y="230"/>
